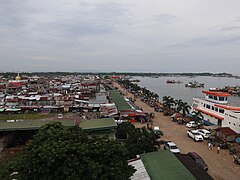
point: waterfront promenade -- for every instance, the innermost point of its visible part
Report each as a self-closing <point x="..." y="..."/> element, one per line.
<point x="221" y="166"/>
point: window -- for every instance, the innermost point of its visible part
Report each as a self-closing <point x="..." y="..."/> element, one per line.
<point x="221" y="110"/>
<point x="210" y="97"/>
<point x="208" y="106"/>
<point x="204" y="105"/>
<point x="215" y="98"/>
<point x="229" y="122"/>
<point x="221" y="98"/>
<point x="216" y="109"/>
<point x="213" y="108"/>
<point x="234" y="124"/>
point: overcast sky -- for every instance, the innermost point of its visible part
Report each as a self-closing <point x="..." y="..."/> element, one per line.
<point x="121" y="35"/>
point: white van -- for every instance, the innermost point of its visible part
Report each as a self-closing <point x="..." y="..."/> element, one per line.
<point x="60" y="116"/>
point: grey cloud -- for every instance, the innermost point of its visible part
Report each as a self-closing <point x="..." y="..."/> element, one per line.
<point x="165" y="18"/>
<point x="230" y="28"/>
<point x="114" y="35"/>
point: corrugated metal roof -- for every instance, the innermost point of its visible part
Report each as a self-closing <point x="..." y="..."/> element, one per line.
<point x="141" y="172"/>
<point x="165" y="166"/>
<point x="120" y="102"/>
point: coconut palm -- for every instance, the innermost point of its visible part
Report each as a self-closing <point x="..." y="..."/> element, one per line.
<point x="183" y="108"/>
<point x="177" y="103"/>
<point x="168" y="101"/>
<point x="197" y="117"/>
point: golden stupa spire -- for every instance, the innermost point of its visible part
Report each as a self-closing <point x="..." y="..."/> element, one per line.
<point x="18" y="77"/>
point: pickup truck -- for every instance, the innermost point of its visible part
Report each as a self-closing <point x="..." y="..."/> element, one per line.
<point x="194" y="134"/>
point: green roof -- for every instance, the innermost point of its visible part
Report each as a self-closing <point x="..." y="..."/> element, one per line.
<point x="165" y="166"/>
<point x="98" y="124"/>
<point x="93" y="124"/>
<point x="120" y="102"/>
<point x="30" y="124"/>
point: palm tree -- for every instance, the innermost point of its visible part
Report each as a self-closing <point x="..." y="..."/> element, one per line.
<point x="155" y="96"/>
<point x="197" y="117"/>
<point x="168" y="102"/>
<point x="177" y="103"/>
<point x="184" y="108"/>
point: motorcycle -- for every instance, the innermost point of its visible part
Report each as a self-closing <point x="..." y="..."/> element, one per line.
<point x="236" y="159"/>
<point x="224" y="145"/>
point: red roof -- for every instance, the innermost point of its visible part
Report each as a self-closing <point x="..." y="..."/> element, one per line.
<point x="15" y="84"/>
<point x="2" y="86"/>
<point x="222" y="94"/>
<point x="228" y="107"/>
<point x="116" y="77"/>
<point x="43" y="99"/>
<point x="227" y="131"/>
<point x="209" y="113"/>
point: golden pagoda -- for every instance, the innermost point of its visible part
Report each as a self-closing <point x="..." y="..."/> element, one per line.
<point x="18" y="77"/>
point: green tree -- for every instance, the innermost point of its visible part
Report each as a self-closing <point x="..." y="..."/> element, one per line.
<point x="139" y="140"/>
<point x="197" y="117"/>
<point x="183" y="108"/>
<point x="57" y="152"/>
<point x="168" y="102"/>
<point x="177" y="103"/>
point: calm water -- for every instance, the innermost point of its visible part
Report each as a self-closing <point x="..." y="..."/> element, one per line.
<point x="179" y="91"/>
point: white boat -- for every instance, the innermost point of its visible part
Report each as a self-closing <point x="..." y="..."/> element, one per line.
<point x="194" y="84"/>
<point x="215" y="109"/>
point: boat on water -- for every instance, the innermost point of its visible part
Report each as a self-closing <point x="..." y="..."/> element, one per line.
<point x="231" y="90"/>
<point x="194" y="84"/>
<point x="134" y="80"/>
<point x="174" y="81"/>
<point x="216" y="110"/>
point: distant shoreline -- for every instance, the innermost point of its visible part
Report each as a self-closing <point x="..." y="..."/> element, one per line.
<point x="148" y="74"/>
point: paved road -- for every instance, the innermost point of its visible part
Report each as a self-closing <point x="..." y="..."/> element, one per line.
<point x="221" y="166"/>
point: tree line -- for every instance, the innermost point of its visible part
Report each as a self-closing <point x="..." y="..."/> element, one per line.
<point x="149" y="74"/>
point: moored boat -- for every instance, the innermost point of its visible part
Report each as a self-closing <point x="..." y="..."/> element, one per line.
<point x="194" y="84"/>
<point x="174" y="81"/>
<point x="215" y="109"/>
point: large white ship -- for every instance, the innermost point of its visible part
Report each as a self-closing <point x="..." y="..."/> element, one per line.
<point x="215" y="109"/>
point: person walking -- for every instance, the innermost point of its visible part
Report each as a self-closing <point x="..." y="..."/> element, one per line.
<point x="209" y="145"/>
<point x="218" y="150"/>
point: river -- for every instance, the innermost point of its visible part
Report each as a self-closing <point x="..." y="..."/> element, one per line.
<point x="179" y="91"/>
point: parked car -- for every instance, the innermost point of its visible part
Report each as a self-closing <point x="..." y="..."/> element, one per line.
<point x="60" y="116"/>
<point x="169" y="145"/>
<point x="158" y="109"/>
<point x="194" y="134"/>
<point x="192" y="124"/>
<point x="156" y="130"/>
<point x="205" y="133"/>
<point x="199" y="160"/>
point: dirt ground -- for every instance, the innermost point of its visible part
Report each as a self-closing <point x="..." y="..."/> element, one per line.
<point x="221" y="166"/>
